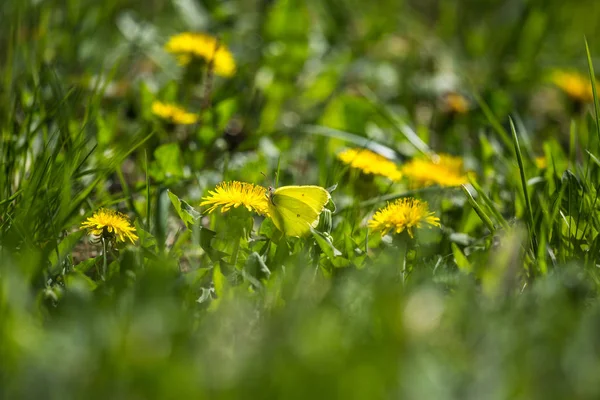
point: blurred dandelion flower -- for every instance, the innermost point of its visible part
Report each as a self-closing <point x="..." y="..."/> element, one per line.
<point x="109" y="224"/>
<point x="173" y="113"/>
<point x="370" y="163"/>
<point x="188" y="45"/>
<point x="456" y="103"/>
<point x="403" y="214"/>
<point x="233" y="194"/>
<point x="541" y="162"/>
<point x="577" y="86"/>
<point x="443" y="170"/>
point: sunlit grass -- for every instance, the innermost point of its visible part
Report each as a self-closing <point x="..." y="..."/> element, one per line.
<point x="443" y="241"/>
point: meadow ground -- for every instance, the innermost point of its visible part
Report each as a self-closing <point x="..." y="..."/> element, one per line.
<point x="153" y="243"/>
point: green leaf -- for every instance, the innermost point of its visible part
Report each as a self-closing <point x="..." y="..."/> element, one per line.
<point x="168" y="163"/>
<point x="80" y="282"/>
<point x="187" y="213"/>
<point x="326" y="245"/>
<point x="146" y="239"/>
<point x="255" y="266"/>
<point x="206" y="237"/>
<point x="219" y="281"/>
<point x="282" y="253"/>
<point x="220" y="285"/>
<point x="64" y="249"/>
<point x="572" y="229"/>
<point x="86" y="265"/>
<point x="461" y="260"/>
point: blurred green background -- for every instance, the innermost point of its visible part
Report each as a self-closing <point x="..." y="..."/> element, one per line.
<point x="172" y="321"/>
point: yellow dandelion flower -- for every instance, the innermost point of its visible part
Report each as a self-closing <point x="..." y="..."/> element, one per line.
<point x="406" y="213"/>
<point x="443" y="170"/>
<point x="370" y="163"/>
<point x="456" y="103"/>
<point x="173" y="113"/>
<point x="111" y="225"/>
<point x="188" y="45"/>
<point x="577" y="86"/>
<point x="234" y="194"/>
<point x="541" y="162"/>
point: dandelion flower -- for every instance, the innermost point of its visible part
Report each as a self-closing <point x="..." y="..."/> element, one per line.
<point x="173" y="113"/>
<point x="233" y="194"/>
<point x="456" y="103"/>
<point x="370" y="163"/>
<point x="402" y="214"/>
<point x="188" y="45"/>
<point x="577" y="86"/>
<point x="443" y="170"/>
<point x="111" y="225"/>
<point x="541" y="162"/>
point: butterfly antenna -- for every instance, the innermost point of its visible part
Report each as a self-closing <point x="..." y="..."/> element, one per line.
<point x="266" y="177"/>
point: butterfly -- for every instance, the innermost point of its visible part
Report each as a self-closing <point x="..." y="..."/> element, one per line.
<point x="295" y="209"/>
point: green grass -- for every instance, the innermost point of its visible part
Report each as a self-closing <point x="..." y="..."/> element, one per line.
<point x="501" y="301"/>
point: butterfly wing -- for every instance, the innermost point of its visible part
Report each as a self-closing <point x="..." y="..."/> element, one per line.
<point x="314" y="196"/>
<point x="294" y="209"/>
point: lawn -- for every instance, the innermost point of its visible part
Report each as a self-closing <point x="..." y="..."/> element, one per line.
<point x="230" y="199"/>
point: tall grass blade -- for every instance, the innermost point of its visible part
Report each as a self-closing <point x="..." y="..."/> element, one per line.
<point x="524" y="185"/>
<point x="489" y="114"/>
<point x="594" y="92"/>
<point x="391" y="117"/>
<point x="479" y="210"/>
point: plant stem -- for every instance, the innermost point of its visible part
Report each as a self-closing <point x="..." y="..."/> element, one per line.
<point x="234" y="253"/>
<point x="104" y="258"/>
<point x="401" y="242"/>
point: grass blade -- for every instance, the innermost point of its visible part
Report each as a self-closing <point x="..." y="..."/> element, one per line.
<point x="493" y="121"/>
<point x="484" y="217"/>
<point x="358" y="141"/>
<point x="489" y="203"/>
<point x="593" y="80"/>
<point x="401" y="127"/>
<point x="523" y="183"/>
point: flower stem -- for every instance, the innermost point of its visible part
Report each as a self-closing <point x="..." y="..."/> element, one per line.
<point x="104" y="258"/>
<point x="404" y="251"/>
<point x="234" y="253"/>
<point x="402" y="241"/>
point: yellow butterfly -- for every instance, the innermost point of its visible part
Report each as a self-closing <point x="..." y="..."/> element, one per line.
<point x="295" y="209"/>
